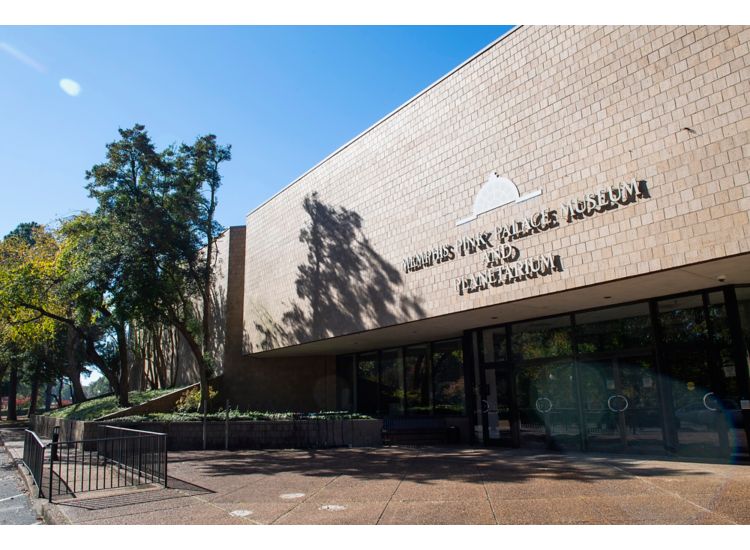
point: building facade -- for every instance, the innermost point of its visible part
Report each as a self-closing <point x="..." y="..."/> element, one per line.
<point x="549" y="246"/>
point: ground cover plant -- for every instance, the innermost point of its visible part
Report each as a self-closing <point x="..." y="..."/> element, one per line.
<point x="236" y="414"/>
<point x="100" y="406"/>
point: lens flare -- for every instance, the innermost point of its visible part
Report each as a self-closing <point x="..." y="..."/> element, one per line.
<point x="70" y="87"/>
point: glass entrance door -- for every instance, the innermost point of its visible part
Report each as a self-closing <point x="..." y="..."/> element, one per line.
<point x="702" y="376"/>
<point x="621" y="407"/>
<point x="497" y="408"/>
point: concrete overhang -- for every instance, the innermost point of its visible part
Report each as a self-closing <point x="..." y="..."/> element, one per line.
<point x="710" y="274"/>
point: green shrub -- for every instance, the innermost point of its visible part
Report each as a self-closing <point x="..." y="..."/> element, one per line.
<point x="236" y="414"/>
<point x="191" y="400"/>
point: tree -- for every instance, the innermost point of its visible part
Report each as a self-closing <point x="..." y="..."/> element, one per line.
<point x="159" y="212"/>
<point x="44" y="293"/>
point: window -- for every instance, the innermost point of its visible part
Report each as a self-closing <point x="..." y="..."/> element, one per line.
<point x="417" y="380"/>
<point x="448" y="377"/>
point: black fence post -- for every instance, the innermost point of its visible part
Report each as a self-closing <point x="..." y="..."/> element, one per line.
<point x="51" y="470"/>
<point x="55" y="440"/>
<point x="165" y="460"/>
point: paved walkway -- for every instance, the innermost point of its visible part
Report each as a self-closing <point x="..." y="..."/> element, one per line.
<point x="422" y="486"/>
<point x="15" y="505"/>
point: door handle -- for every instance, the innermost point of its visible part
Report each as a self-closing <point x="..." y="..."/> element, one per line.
<point x="621" y="409"/>
<point x="705" y="401"/>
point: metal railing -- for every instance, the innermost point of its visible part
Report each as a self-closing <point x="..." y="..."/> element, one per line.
<point x="33" y="458"/>
<point x="120" y="457"/>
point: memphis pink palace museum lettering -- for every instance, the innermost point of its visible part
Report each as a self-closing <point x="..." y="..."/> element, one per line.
<point x="498" y="248"/>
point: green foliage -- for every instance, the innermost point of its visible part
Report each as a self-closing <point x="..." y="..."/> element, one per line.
<point x="97" y="388"/>
<point x="191" y="400"/>
<point x="100" y="406"/>
<point x="237" y="415"/>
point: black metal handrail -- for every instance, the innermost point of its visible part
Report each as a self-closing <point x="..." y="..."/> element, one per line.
<point x="33" y="458"/>
<point x="122" y="457"/>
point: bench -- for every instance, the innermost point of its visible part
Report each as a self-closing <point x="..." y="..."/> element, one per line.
<point x="415" y="431"/>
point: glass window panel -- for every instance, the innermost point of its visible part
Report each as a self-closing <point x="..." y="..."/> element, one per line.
<point x="542" y="338"/>
<point x="345" y="382"/>
<point x="367" y="383"/>
<point x="613" y="329"/>
<point x="717" y="312"/>
<point x="494" y="345"/>
<point x="743" y="302"/>
<point x="547" y="404"/>
<point x="682" y="320"/>
<point x="391" y="383"/>
<point x="448" y="377"/>
<point x="417" y="381"/>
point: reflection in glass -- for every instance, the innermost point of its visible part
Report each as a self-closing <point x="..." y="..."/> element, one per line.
<point x="367" y="383"/>
<point x="682" y="320"/>
<point x="494" y="345"/>
<point x="448" y="377"/>
<point x="547" y="404"/>
<point x="391" y="383"/>
<point x="416" y="368"/>
<point x="542" y="338"/>
<point x="621" y="404"/>
<point x="345" y="383"/>
<point x="613" y="329"/>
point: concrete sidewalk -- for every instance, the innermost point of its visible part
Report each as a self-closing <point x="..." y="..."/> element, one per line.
<point x="420" y="486"/>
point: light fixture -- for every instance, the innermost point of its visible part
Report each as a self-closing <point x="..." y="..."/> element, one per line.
<point x="608" y="297"/>
<point x="721" y="278"/>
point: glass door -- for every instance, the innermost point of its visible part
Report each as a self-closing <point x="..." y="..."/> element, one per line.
<point x="497" y="404"/>
<point x="548" y="405"/>
<point x="497" y="407"/>
<point x="621" y="407"/>
<point x="697" y="386"/>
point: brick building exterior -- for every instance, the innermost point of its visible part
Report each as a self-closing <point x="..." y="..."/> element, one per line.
<point x="559" y="170"/>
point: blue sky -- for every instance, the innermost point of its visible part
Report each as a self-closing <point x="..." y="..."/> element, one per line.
<point x="283" y="97"/>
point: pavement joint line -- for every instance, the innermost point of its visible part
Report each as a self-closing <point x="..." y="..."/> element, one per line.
<point x="11" y="498"/>
<point x="487" y="496"/>
<point x="390" y="499"/>
<point x="302" y="501"/>
<point x="671" y="493"/>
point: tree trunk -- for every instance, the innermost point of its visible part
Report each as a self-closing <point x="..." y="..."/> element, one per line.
<point x="198" y="354"/>
<point x="60" y="390"/>
<point x="2" y="375"/>
<point x="79" y="395"/>
<point x="34" y="392"/>
<point x="13" y="394"/>
<point x="160" y="363"/>
<point x="122" y="348"/>
<point x="73" y="366"/>
<point x="48" y="397"/>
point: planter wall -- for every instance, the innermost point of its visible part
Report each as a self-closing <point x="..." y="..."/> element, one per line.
<point x="70" y="430"/>
<point x="279" y="434"/>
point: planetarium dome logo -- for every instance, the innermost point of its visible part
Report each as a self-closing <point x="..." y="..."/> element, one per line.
<point x="496" y="192"/>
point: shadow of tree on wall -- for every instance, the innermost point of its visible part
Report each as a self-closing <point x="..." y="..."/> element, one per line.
<point x="343" y="287"/>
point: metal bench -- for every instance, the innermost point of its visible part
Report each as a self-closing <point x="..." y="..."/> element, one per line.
<point x="415" y="431"/>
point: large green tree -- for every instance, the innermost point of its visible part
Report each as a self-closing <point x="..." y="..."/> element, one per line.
<point x="46" y="298"/>
<point x="157" y="216"/>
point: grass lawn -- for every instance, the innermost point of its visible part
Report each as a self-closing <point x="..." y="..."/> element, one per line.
<point x="100" y="406"/>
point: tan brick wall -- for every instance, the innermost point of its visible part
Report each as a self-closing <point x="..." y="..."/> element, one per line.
<point x="564" y="109"/>
<point x="301" y="384"/>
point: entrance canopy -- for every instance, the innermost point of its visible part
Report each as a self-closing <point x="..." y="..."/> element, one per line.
<point x="730" y="270"/>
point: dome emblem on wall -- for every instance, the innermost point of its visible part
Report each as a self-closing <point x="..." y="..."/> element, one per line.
<point x="496" y="192"/>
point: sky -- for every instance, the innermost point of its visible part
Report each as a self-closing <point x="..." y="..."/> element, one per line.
<point x="283" y="97"/>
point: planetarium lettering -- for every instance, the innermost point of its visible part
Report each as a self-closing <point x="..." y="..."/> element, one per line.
<point x="501" y="257"/>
